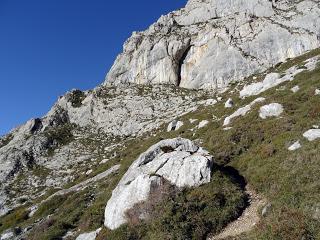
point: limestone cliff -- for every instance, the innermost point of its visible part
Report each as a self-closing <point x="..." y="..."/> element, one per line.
<point x="211" y="43"/>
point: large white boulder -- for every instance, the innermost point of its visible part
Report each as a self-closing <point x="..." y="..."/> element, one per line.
<point x="312" y="134"/>
<point x="178" y="160"/>
<point x="271" y="110"/>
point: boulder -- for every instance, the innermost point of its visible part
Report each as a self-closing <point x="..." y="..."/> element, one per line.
<point x="271" y="110"/>
<point x="312" y="134"/>
<point x="178" y="161"/>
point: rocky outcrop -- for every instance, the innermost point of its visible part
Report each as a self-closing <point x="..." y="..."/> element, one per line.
<point x="178" y="161"/>
<point x="211" y="43"/>
<point x="55" y="141"/>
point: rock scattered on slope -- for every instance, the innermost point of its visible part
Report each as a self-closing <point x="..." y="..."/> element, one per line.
<point x="178" y="161"/>
<point x="317" y="92"/>
<point x="271" y="110"/>
<point x="174" y="125"/>
<point x="295" y="146"/>
<point x="228" y="103"/>
<point x="274" y="79"/>
<point x="242" y="111"/>
<point x="312" y="134"/>
<point x="203" y="123"/>
<point x="295" y="89"/>
<point x="89" y="236"/>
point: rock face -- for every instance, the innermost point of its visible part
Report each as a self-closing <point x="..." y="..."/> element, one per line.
<point x="270" y="110"/>
<point x="178" y="160"/>
<point x="211" y="43"/>
<point x="104" y="114"/>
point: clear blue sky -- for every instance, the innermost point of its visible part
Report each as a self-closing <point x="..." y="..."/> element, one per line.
<point x="48" y="47"/>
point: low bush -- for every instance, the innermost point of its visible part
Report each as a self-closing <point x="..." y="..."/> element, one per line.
<point x="184" y="214"/>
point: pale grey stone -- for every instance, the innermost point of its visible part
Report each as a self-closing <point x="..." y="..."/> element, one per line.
<point x="178" y="160"/>
<point x="211" y="43"/>
<point x="203" y="123"/>
<point x="242" y="111"/>
<point x="295" y="89"/>
<point x="271" y="110"/>
<point x="174" y="125"/>
<point x="89" y="236"/>
<point x="228" y="103"/>
<point x="295" y="146"/>
<point x="312" y="134"/>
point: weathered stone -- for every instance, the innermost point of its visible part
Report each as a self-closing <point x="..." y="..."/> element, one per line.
<point x="229" y="103"/>
<point x="174" y="125"/>
<point x="241" y="111"/>
<point x="295" y="146"/>
<point x="89" y="236"/>
<point x="203" y="123"/>
<point x="295" y="89"/>
<point x="178" y="160"/>
<point x="211" y="43"/>
<point x="271" y="110"/>
<point x="312" y="134"/>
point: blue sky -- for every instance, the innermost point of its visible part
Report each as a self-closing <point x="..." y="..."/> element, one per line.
<point x="48" y="47"/>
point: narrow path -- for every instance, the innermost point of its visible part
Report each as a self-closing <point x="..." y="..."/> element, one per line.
<point x="247" y="221"/>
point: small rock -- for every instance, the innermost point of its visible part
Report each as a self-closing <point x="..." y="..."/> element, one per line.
<point x="89" y="236"/>
<point x="295" y="89"/>
<point x="192" y="120"/>
<point x="271" y="110"/>
<point x="265" y="211"/>
<point x="174" y="125"/>
<point x="295" y="146"/>
<point x="317" y="92"/>
<point x="33" y="210"/>
<point x="229" y="103"/>
<point x="104" y="161"/>
<point x="312" y="134"/>
<point x="89" y="172"/>
<point x="203" y="123"/>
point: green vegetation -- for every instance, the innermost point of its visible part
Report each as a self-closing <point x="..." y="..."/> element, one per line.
<point x="13" y="218"/>
<point x="187" y="214"/>
<point x="76" y="98"/>
<point x="59" y="136"/>
<point x="256" y="148"/>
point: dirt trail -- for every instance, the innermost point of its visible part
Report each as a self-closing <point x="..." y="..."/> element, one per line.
<point x="249" y="218"/>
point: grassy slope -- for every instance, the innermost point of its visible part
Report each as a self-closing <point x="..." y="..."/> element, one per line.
<point x="257" y="148"/>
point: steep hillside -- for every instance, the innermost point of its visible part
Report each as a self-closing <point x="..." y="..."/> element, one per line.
<point x="235" y="158"/>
